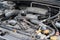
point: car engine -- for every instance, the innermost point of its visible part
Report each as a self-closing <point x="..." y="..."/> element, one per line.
<point x="31" y="20"/>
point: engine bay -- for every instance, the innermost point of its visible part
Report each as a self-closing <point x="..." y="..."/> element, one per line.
<point x="29" y="21"/>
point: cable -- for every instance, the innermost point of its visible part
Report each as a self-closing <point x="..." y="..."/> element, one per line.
<point x="54" y="26"/>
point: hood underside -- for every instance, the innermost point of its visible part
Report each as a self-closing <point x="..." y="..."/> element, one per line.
<point x="49" y="2"/>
